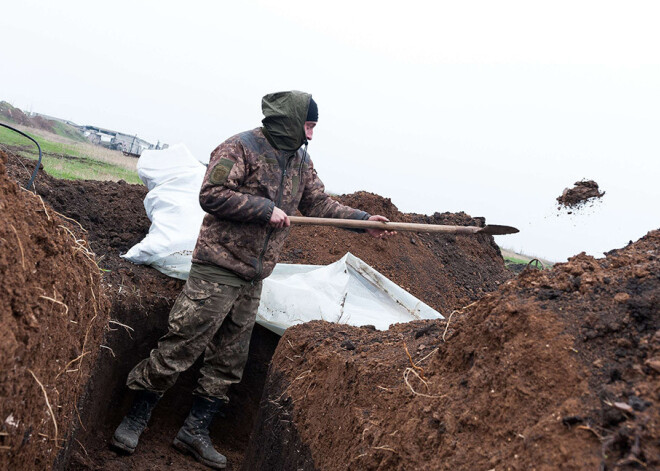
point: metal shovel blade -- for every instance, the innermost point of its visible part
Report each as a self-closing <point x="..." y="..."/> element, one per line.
<point x="494" y="229"/>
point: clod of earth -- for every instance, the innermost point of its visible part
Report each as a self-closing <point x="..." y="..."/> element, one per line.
<point x="578" y="196"/>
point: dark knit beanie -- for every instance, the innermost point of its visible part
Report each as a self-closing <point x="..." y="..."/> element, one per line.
<point x="312" y="111"/>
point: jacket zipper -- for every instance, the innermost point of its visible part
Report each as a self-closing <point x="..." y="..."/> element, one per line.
<point x="280" y="194"/>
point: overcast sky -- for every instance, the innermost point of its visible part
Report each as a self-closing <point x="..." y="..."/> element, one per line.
<point x="491" y="108"/>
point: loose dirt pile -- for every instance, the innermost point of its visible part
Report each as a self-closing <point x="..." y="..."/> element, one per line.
<point x="447" y="272"/>
<point x="579" y="195"/>
<point x="52" y="315"/>
<point x="558" y="369"/>
<point x="11" y="114"/>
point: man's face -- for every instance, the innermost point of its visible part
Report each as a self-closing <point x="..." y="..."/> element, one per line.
<point x="309" y="129"/>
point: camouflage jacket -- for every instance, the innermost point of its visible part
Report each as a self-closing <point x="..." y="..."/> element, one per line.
<point x="246" y="178"/>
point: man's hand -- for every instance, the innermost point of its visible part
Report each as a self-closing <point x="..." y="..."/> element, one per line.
<point x="279" y="219"/>
<point x="379" y="233"/>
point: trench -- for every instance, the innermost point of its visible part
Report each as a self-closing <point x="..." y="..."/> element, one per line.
<point x="106" y="400"/>
<point x="456" y="271"/>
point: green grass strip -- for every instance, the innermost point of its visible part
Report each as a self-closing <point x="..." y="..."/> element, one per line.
<point x="65" y="161"/>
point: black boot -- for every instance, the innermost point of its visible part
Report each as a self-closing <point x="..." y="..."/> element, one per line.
<point x="128" y="433"/>
<point x="194" y="438"/>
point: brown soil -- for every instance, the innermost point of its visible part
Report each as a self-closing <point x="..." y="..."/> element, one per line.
<point x="558" y="369"/>
<point x="53" y="312"/>
<point x="579" y="195"/>
<point x="446" y="272"/>
<point x="12" y="114"/>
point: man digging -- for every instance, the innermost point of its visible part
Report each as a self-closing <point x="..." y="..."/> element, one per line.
<point x="253" y="181"/>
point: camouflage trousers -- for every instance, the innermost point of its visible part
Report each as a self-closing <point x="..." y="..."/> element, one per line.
<point x="207" y="317"/>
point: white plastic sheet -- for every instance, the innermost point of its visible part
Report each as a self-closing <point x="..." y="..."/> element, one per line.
<point x="347" y="292"/>
<point x="173" y="177"/>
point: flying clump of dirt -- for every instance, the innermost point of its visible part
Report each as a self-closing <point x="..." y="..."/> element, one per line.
<point x="579" y="195"/>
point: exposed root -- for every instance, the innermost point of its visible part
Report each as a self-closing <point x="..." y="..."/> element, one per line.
<point x="418" y="368"/>
<point x="89" y="327"/>
<point x="20" y="246"/>
<point x="387" y="448"/>
<point x="80" y="246"/>
<point x="428" y="355"/>
<point x="586" y="427"/>
<point x="128" y="328"/>
<point x="79" y="357"/>
<point x="300" y="376"/>
<point x="83" y="448"/>
<point x="447" y="326"/>
<point x="79" y="419"/>
<point x="69" y="219"/>
<point x="40" y="199"/>
<point x="108" y="348"/>
<point x="91" y="278"/>
<point x="66" y="308"/>
<point x="50" y="409"/>
<point x="449" y="320"/>
<point x="406" y="373"/>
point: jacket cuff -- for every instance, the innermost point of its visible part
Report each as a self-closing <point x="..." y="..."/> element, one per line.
<point x="362" y="215"/>
<point x="269" y="212"/>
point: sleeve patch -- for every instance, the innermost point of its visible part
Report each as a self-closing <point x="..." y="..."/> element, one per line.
<point x="221" y="171"/>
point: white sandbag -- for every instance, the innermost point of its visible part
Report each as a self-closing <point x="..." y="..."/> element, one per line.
<point x="347" y="292"/>
<point x="174" y="177"/>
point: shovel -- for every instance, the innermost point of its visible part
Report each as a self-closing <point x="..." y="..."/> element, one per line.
<point x="490" y="229"/>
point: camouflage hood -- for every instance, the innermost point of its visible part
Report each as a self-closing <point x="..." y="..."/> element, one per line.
<point x="284" y="118"/>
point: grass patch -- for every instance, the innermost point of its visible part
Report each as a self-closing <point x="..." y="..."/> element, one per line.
<point x="84" y="169"/>
<point x="70" y="159"/>
<point x="515" y="261"/>
<point x="518" y="261"/>
<point x="64" y="130"/>
<point x="9" y="137"/>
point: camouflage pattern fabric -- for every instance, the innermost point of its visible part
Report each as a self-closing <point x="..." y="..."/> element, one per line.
<point x="248" y="175"/>
<point x="209" y="318"/>
<point x="246" y="178"/>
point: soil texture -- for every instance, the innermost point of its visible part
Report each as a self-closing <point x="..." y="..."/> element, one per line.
<point x="53" y="313"/>
<point x="447" y="272"/>
<point x="579" y="195"/>
<point x="558" y="369"/>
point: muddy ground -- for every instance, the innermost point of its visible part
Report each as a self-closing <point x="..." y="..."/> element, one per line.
<point x="579" y="195"/>
<point x="447" y="272"/>
<point x="558" y="369"/>
<point x="53" y="313"/>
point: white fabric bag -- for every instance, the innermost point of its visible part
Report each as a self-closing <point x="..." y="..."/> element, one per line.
<point x="174" y="178"/>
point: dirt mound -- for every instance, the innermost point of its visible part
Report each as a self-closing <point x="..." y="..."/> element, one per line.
<point x="447" y="272"/>
<point x="559" y="369"/>
<point x="53" y="312"/>
<point x="579" y="195"/>
<point x="12" y="114"/>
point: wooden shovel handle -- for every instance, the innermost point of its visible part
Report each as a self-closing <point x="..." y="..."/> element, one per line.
<point x="388" y="226"/>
